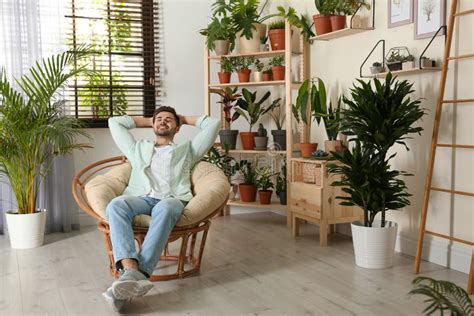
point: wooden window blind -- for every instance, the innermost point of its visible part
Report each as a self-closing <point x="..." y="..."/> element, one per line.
<point x="124" y="40"/>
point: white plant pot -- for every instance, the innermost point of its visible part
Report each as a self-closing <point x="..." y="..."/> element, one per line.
<point x="374" y="246"/>
<point x="257" y="76"/>
<point x="408" y="65"/>
<point x="26" y="230"/>
<point x="247" y="46"/>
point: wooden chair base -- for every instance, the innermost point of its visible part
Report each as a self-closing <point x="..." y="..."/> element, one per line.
<point x="186" y="254"/>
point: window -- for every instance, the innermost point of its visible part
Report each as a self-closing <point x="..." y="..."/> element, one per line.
<point x="124" y="40"/>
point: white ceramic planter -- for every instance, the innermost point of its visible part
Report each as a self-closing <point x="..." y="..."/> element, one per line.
<point x="26" y="230"/>
<point x="408" y="65"/>
<point x="247" y="46"/>
<point x="257" y="76"/>
<point x="374" y="246"/>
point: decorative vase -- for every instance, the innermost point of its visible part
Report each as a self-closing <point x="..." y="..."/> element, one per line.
<point x="229" y="137"/>
<point x="248" y="192"/>
<point x="26" y="230"/>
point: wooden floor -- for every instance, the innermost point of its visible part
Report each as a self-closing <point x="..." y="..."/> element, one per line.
<point x="252" y="265"/>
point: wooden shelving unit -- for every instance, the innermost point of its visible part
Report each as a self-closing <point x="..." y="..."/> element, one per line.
<point x="340" y="33"/>
<point x="287" y="84"/>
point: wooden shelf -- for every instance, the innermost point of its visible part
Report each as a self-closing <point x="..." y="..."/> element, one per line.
<point x="308" y="160"/>
<point x="413" y="71"/>
<point x="248" y="84"/>
<point x="340" y="33"/>
<point x="257" y="54"/>
<point x="268" y="151"/>
<point x="256" y="204"/>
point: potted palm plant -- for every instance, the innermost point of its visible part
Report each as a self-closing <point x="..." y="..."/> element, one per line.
<point x="300" y="112"/>
<point x="252" y="110"/>
<point x="229" y="98"/>
<point x="248" y="188"/>
<point x="33" y="130"/>
<point x="220" y="35"/>
<point x="278" y="68"/>
<point x="376" y="118"/>
<point x="279" y="135"/>
<point x="265" y="184"/>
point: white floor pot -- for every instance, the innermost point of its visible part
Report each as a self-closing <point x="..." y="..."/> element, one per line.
<point x="26" y="230"/>
<point x="374" y="246"/>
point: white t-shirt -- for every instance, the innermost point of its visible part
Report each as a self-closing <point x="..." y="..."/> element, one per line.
<point x="160" y="172"/>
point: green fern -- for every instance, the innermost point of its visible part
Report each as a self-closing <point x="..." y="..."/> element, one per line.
<point x="443" y="296"/>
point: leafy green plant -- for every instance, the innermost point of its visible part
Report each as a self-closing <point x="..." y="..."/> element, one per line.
<point x="300" y="22"/>
<point x="410" y="57"/>
<point x="33" y="127"/>
<point x="263" y="40"/>
<point x="376" y="118"/>
<point x="277" y="61"/>
<point x="300" y="108"/>
<point x="242" y="62"/>
<point x="282" y="183"/>
<point x="278" y="115"/>
<point x="395" y="57"/>
<point x="259" y="65"/>
<point x="248" y="172"/>
<point x="226" y="64"/>
<point x="331" y="116"/>
<point x="223" y="160"/>
<point x="251" y="109"/>
<point x="222" y="29"/>
<point x="267" y="70"/>
<point x="277" y="25"/>
<point x="264" y="178"/>
<point x="229" y="98"/>
<point x="443" y="296"/>
<point x="324" y="7"/>
<point x="346" y="7"/>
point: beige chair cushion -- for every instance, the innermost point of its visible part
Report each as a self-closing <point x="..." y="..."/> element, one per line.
<point x="210" y="189"/>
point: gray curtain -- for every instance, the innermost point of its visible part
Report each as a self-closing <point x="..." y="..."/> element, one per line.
<point x="30" y="30"/>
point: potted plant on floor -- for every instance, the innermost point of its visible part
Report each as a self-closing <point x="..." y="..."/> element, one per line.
<point x="220" y="35"/>
<point x="300" y="112"/>
<point x="241" y="66"/>
<point x="278" y="68"/>
<point x="252" y="110"/>
<point x="226" y="70"/>
<point x="34" y="130"/>
<point x="257" y="74"/>
<point x="264" y="184"/>
<point x="229" y="98"/>
<point x="279" y="135"/>
<point x="277" y="34"/>
<point x="331" y="117"/>
<point x="376" y="118"/>
<point x="281" y="184"/>
<point x="248" y="188"/>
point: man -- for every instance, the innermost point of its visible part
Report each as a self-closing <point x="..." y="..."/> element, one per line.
<point x="159" y="185"/>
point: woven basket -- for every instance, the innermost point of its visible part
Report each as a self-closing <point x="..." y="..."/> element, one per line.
<point x="312" y="173"/>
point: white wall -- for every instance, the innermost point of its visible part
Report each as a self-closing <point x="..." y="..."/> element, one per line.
<point x="337" y="62"/>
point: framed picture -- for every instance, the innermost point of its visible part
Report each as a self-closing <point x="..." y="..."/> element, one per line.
<point x="400" y="12"/>
<point x="430" y="15"/>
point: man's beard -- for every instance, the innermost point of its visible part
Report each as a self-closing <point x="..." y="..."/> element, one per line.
<point x="164" y="132"/>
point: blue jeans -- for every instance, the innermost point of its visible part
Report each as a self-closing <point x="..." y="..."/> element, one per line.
<point x="164" y="215"/>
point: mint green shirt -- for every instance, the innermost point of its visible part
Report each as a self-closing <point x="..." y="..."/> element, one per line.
<point x="183" y="158"/>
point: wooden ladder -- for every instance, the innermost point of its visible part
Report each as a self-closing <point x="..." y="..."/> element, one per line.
<point x="434" y="145"/>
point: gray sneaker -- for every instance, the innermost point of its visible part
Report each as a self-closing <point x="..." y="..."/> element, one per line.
<point x="132" y="283"/>
<point x="113" y="302"/>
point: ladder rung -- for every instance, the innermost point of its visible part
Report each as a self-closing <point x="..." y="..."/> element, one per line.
<point x="452" y="191"/>
<point x="464" y="12"/>
<point x="470" y="243"/>
<point x="461" y="57"/>
<point x="455" y="146"/>
<point x="459" y="101"/>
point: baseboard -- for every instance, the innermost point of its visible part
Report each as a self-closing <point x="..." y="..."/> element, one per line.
<point x="85" y="219"/>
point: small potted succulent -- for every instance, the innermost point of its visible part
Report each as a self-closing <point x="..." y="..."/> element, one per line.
<point x="265" y="184"/>
<point x="279" y="135"/>
<point x="261" y="140"/>
<point x="258" y="73"/>
<point x="281" y="184"/>
<point x="229" y="98"/>
<point x="408" y="62"/>
<point x="263" y="44"/>
<point x="427" y="62"/>
<point x="277" y="34"/>
<point x="241" y="66"/>
<point x="267" y="74"/>
<point x="226" y="70"/>
<point x="278" y="68"/>
<point x="376" y="68"/>
<point x="394" y="61"/>
<point x="248" y="188"/>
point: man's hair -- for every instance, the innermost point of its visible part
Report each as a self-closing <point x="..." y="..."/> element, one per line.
<point x="168" y="109"/>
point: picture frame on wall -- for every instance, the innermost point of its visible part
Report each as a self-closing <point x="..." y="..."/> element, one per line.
<point x="400" y="12"/>
<point x="430" y="15"/>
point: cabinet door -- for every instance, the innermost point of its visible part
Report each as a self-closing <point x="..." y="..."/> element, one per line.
<point x="305" y="199"/>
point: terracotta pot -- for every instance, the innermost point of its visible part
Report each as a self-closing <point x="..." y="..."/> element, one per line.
<point x="266" y="77"/>
<point x="338" y="22"/>
<point x="307" y="149"/>
<point x="244" y="75"/>
<point x="332" y="145"/>
<point x="248" y="140"/>
<point x="252" y="45"/>
<point x="265" y="196"/>
<point x="248" y="192"/>
<point x="322" y="24"/>
<point x="277" y="39"/>
<point x="278" y="72"/>
<point x="224" y="77"/>
<point x="222" y="47"/>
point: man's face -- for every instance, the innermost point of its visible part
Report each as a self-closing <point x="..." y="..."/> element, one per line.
<point x="165" y="124"/>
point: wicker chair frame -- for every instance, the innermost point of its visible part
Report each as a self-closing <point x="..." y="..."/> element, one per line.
<point x="187" y="234"/>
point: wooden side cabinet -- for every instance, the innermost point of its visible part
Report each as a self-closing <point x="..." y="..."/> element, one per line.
<point x="312" y="198"/>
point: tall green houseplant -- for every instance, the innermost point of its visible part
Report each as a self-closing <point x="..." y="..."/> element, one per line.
<point x="378" y="116"/>
<point x="33" y="128"/>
